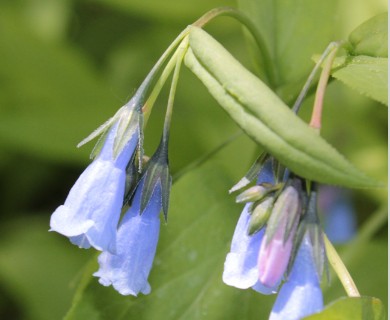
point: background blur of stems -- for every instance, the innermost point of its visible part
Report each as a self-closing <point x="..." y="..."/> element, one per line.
<point x="66" y="66"/>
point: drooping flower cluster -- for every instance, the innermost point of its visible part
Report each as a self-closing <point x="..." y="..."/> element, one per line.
<point x="278" y="243"/>
<point x="91" y="214"/>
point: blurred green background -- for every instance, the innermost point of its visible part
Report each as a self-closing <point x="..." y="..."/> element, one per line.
<point x="66" y="66"/>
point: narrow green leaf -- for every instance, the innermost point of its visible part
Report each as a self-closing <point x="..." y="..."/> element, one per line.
<point x="265" y="118"/>
<point x="371" y="37"/>
<point x="364" y="308"/>
<point x="367" y="75"/>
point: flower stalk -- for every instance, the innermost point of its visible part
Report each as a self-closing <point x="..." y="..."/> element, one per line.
<point x="269" y="64"/>
<point x="340" y="269"/>
<point x="332" y="47"/>
<point x="316" y="118"/>
<point x="175" y="79"/>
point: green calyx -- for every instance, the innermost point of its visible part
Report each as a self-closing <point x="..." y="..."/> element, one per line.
<point x="157" y="172"/>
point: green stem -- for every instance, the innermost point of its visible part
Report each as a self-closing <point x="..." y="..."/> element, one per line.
<point x="332" y="46"/>
<point x="175" y="79"/>
<point x="148" y="106"/>
<point x="202" y="21"/>
<point x="340" y="269"/>
<point x="316" y="117"/>
<point x="148" y="80"/>
<point x="239" y="16"/>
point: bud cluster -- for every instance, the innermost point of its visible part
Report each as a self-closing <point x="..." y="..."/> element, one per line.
<point x="278" y="226"/>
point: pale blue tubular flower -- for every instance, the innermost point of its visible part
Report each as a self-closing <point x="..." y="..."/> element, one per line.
<point x="300" y="295"/>
<point x="240" y="269"/>
<point x="90" y="214"/>
<point x="128" y="269"/>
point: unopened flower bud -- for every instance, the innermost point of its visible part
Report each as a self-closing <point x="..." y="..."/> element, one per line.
<point x="252" y="194"/>
<point x="276" y="247"/>
<point x="260" y="215"/>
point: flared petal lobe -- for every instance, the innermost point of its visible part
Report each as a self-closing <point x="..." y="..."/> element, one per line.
<point x="240" y="269"/>
<point x="301" y="295"/>
<point x="128" y="270"/>
<point x="90" y="214"/>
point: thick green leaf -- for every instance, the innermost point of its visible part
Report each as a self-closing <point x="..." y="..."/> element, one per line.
<point x="292" y="31"/>
<point x="264" y="117"/>
<point x="371" y="37"/>
<point x="186" y="278"/>
<point x="365" y="74"/>
<point x="364" y="308"/>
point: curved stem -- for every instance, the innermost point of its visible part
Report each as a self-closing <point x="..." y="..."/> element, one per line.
<point x="316" y="118"/>
<point x="239" y="16"/>
<point x="310" y="79"/>
<point x="148" y="106"/>
<point x="340" y="269"/>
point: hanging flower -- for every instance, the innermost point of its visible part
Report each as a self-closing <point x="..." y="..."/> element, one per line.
<point x="300" y="295"/>
<point x="128" y="269"/>
<point x="90" y="214"/>
<point x="240" y="269"/>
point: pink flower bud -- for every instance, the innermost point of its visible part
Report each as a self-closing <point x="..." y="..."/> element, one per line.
<point x="277" y="244"/>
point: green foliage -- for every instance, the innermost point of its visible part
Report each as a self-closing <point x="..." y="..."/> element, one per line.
<point x="45" y="88"/>
<point x="38" y="269"/>
<point x="371" y="37"/>
<point x="364" y="308"/>
<point x="186" y="277"/>
<point x="292" y="30"/>
<point x="367" y="75"/>
<point x="365" y="66"/>
<point x="67" y="66"/>
<point x="186" y="280"/>
<point x="263" y="116"/>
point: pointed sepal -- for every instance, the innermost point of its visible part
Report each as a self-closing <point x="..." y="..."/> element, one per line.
<point x="252" y="173"/>
<point x="157" y="172"/>
<point x="310" y="225"/>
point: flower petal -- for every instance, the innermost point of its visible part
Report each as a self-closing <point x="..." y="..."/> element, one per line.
<point x="301" y="295"/>
<point x="240" y="268"/>
<point x="91" y="211"/>
<point x="137" y="238"/>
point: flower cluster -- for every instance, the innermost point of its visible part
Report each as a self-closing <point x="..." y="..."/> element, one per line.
<point x="92" y="213"/>
<point x="278" y="243"/>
